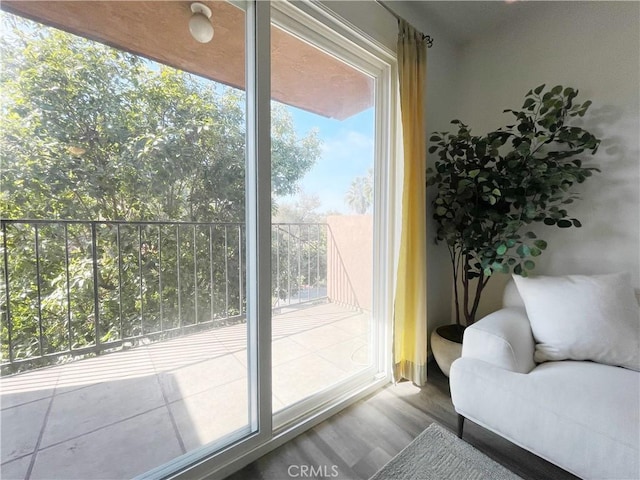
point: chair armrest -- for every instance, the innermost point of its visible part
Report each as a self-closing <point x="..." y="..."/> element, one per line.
<point x="502" y="338"/>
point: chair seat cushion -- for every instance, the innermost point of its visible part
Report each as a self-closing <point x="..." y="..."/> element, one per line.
<point x="583" y="416"/>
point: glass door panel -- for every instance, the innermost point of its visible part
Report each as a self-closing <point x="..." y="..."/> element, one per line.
<point x="323" y="223"/>
<point x="123" y="237"/>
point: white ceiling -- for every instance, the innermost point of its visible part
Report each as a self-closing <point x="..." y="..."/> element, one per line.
<point x="464" y="20"/>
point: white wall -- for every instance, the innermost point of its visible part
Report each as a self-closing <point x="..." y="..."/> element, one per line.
<point x="594" y="46"/>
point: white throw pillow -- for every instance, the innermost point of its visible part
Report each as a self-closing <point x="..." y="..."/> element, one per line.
<point x="582" y="317"/>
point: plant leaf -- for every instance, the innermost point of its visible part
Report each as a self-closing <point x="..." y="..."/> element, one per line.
<point x="541" y="244"/>
<point x="563" y="223"/>
<point x="523" y="251"/>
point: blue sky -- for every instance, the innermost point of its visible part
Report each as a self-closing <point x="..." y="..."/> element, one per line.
<point x="347" y="152"/>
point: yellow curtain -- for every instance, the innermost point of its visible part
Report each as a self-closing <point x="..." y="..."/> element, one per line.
<point x="410" y="310"/>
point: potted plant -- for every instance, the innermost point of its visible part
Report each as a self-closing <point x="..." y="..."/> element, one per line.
<point x="490" y="188"/>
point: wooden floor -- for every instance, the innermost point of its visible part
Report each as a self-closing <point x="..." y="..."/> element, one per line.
<point x="358" y="441"/>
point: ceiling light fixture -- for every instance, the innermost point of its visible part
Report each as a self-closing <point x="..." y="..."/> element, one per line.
<point x="200" y="23"/>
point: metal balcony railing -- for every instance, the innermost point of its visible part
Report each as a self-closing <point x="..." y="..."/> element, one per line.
<point x="71" y="287"/>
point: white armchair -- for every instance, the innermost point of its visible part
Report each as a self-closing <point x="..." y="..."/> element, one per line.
<point x="580" y="415"/>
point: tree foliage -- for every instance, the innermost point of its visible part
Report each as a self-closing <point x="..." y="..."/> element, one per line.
<point x="96" y="133"/>
<point x="93" y="133"/>
<point x="298" y="250"/>
<point x="359" y="197"/>
<point x="490" y="187"/>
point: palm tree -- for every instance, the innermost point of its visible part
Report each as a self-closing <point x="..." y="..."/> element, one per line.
<point x="360" y="194"/>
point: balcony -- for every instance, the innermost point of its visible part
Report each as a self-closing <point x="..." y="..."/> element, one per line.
<point x="124" y="344"/>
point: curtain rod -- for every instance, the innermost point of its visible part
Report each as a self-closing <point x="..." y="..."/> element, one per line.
<point x="426" y="38"/>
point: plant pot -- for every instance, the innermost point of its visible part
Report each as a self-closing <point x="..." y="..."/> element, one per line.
<point x="446" y="345"/>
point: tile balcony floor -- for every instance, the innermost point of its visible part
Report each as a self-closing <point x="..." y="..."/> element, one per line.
<point x="121" y="414"/>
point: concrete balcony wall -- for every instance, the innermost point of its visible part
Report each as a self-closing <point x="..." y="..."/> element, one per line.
<point x="350" y="260"/>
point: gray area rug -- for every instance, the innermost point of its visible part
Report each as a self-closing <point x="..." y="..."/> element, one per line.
<point x="438" y="454"/>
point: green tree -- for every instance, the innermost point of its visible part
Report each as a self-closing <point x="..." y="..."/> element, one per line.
<point x="359" y="197"/>
<point x="93" y="133"/>
<point x="303" y="210"/>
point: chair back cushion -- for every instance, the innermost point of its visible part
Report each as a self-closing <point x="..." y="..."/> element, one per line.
<point x="583" y="317"/>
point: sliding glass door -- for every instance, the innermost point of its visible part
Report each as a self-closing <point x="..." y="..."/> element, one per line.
<point x="327" y="215"/>
<point x="194" y="234"/>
